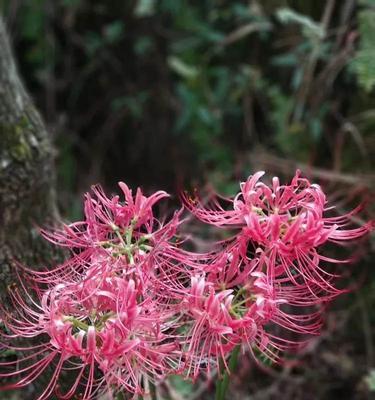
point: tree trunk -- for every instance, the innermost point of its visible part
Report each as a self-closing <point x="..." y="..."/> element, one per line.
<point x="27" y="195"/>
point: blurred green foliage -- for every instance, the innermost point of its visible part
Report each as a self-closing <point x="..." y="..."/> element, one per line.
<point x="363" y="64"/>
<point x="221" y="77"/>
<point x="370" y="380"/>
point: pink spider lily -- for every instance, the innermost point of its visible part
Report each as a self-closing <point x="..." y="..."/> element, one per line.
<point x="126" y="232"/>
<point x="109" y="220"/>
<point x="99" y="310"/>
<point x="283" y="225"/>
<point x="221" y="319"/>
<point x="208" y="340"/>
<point x="101" y="324"/>
<point x="131" y="305"/>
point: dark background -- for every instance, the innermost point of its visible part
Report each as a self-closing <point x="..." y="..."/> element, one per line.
<point x="166" y="94"/>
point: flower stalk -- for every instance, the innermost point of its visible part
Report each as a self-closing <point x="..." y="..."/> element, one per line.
<point x="223" y="383"/>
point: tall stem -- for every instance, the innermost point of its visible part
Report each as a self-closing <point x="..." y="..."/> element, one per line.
<point x="223" y="384"/>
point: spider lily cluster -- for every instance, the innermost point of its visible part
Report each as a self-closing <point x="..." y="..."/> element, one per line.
<point x="131" y="305"/>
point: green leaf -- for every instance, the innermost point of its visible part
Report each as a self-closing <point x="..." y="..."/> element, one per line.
<point x="32" y="22"/>
<point x="285" y="60"/>
<point x="143" y="45"/>
<point x="92" y="42"/>
<point x="182" y="386"/>
<point x="363" y="64"/>
<point x="181" y="68"/>
<point x="114" y="31"/>
<point x="310" y="27"/>
<point x="8" y="353"/>
<point x="370" y="380"/>
<point x="144" y="8"/>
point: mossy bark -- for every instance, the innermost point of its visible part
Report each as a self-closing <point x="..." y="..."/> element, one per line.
<point x="27" y="195"/>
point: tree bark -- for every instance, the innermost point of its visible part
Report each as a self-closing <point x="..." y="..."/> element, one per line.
<point x="27" y="179"/>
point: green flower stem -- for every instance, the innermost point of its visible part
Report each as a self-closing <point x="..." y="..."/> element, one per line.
<point x="129" y="232"/>
<point x="76" y="323"/>
<point x="223" y="384"/>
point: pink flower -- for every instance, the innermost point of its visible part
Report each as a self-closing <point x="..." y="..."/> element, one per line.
<point x="125" y="236"/>
<point x="283" y="226"/>
<point x="110" y="312"/>
<point x="109" y="220"/>
<point x="209" y="338"/>
<point x="131" y="305"/>
<point x="219" y="319"/>
<point x="101" y="323"/>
